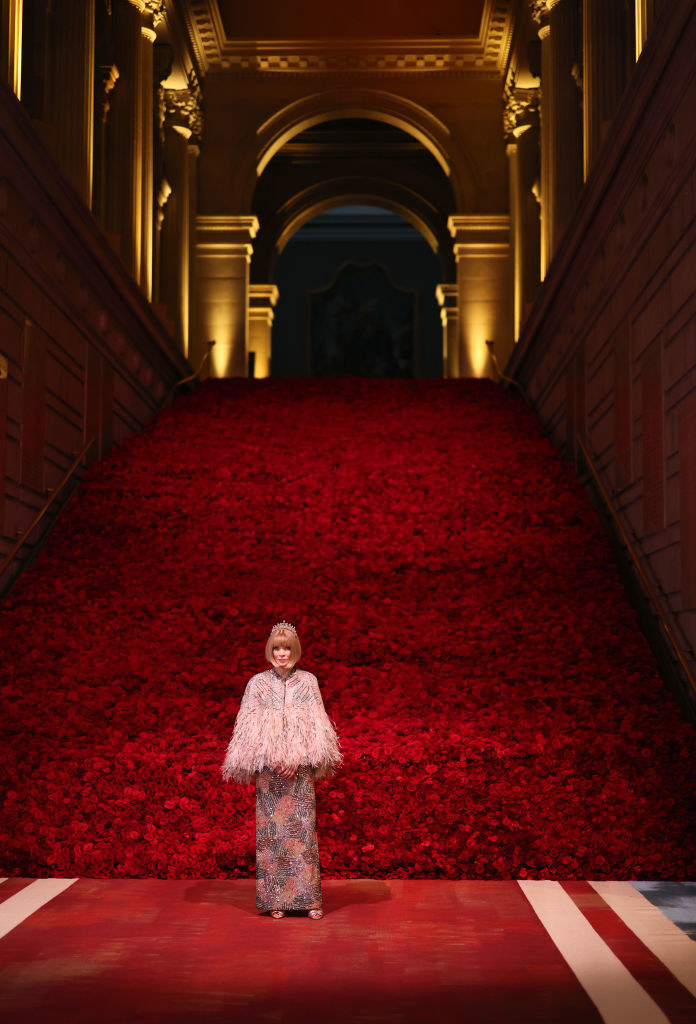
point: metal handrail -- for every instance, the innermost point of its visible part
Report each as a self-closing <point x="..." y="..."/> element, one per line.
<point x="606" y="497"/>
<point x="490" y="345"/>
<point x="191" y="376"/>
<point x="44" y="509"/>
<point x="9" y="558"/>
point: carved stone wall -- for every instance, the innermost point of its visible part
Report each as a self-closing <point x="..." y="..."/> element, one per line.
<point x="609" y="347"/>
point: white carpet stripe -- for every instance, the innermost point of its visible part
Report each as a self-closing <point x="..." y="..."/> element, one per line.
<point x="611" y="987"/>
<point x="23" y="904"/>
<point x="3" y="879"/>
<point x="663" y="937"/>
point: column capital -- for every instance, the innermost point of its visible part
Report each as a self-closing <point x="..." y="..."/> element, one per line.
<point x="262" y="299"/>
<point x="520" y="109"/>
<point x="105" y="78"/>
<point x="540" y="9"/>
<point x="480" y="234"/>
<point x="153" y="14"/>
<point x="261" y="293"/>
<point x="447" y="296"/>
<point x="155" y="8"/>
<point x="182" y="109"/>
<point x="226" y="235"/>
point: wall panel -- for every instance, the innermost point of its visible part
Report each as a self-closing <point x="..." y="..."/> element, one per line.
<point x="74" y="326"/>
<point x="636" y="219"/>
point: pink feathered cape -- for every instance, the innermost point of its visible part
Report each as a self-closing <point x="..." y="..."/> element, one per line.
<point x="281" y="722"/>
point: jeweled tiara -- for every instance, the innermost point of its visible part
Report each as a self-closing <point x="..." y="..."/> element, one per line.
<point x="283" y="625"/>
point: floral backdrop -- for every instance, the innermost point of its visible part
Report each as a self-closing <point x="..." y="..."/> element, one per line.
<point x="500" y="713"/>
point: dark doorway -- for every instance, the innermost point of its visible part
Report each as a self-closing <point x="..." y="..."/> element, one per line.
<point x="357" y="297"/>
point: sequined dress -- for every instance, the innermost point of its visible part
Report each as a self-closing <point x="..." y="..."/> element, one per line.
<point x="282" y="721"/>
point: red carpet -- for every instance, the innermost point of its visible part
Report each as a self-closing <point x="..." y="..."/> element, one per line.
<point x="392" y="951"/>
<point x="500" y="713"/>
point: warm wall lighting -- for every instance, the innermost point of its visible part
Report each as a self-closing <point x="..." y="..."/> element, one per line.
<point x="11" y="42"/>
<point x="221" y="359"/>
<point x="475" y="349"/>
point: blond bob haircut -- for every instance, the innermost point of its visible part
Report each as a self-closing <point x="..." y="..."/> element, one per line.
<point x="290" y="639"/>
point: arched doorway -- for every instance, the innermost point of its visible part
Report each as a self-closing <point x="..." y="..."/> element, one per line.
<point x="357" y="297"/>
<point x="353" y="233"/>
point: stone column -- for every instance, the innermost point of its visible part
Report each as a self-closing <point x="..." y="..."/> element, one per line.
<point x="183" y="125"/>
<point x="520" y="122"/>
<point x="124" y="206"/>
<point x="605" y="69"/>
<point x="174" y="256"/>
<point x="223" y="255"/>
<point x="193" y="152"/>
<point x="262" y="299"/>
<point x="561" y="119"/>
<point x="482" y="252"/>
<point x="73" y="91"/>
<point x="447" y="296"/>
<point x="11" y="44"/>
<point x="147" y="98"/>
<point x="105" y="78"/>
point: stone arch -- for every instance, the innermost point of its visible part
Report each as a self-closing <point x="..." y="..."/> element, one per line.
<point x="303" y="206"/>
<point x="349" y="199"/>
<point x="373" y="104"/>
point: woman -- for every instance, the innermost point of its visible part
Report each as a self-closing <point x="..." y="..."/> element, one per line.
<point x="283" y="740"/>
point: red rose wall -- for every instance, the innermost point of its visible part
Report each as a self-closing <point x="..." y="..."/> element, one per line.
<point x="500" y="713"/>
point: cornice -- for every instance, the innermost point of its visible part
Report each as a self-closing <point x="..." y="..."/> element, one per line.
<point x="643" y="116"/>
<point x="487" y="52"/>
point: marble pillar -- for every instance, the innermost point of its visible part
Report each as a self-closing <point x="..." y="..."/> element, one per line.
<point x="73" y="91"/>
<point x="605" y="70"/>
<point x="223" y="255"/>
<point x="484" y="293"/>
<point x="262" y="299"/>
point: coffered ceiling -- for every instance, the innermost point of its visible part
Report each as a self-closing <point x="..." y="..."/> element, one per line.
<point x="362" y="36"/>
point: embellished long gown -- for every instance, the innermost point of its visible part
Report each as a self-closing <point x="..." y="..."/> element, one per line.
<point x="282" y="721"/>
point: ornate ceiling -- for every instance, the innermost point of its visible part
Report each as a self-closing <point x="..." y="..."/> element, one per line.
<point x="364" y="36"/>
